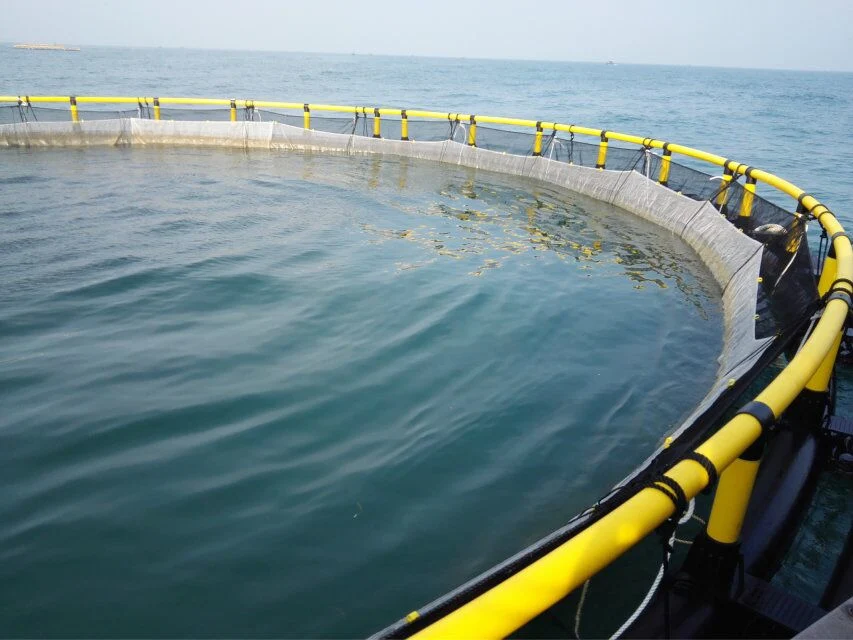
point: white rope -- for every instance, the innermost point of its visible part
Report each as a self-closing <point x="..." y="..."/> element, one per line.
<point x="579" y="611"/>
<point x="658" y="578"/>
<point x="459" y="126"/>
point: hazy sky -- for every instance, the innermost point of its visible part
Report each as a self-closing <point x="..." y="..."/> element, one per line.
<point x="780" y="34"/>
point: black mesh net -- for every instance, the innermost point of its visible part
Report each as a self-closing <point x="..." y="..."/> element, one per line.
<point x="572" y="151"/>
<point x="494" y="139"/>
<point x="211" y="114"/>
<point x="430" y="130"/>
<point x="28" y="113"/>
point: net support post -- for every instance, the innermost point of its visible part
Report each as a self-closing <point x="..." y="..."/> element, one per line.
<point x="233" y="110"/>
<point x="404" y="125"/>
<point x="746" y="202"/>
<point x="377" y="124"/>
<point x="732" y="497"/>
<point x="156" y="108"/>
<point x="75" y="116"/>
<point x="665" y="162"/>
<point x="537" y="140"/>
<point x="472" y="131"/>
<point x="715" y="554"/>
<point x="602" y="152"/>
<point x="306" y="116"/>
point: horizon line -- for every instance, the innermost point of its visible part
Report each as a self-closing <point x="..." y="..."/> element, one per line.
<point x="439" y="56"/>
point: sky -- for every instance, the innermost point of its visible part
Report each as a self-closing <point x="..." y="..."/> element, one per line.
<point x="815" y="35"/>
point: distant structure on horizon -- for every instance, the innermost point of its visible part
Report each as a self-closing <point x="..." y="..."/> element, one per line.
<point x="47" y="47"/>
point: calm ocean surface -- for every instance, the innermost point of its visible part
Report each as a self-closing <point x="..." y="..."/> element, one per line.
<point x="269" y="394"/>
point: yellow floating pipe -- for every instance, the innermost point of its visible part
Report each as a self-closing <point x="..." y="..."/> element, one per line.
<point x="37" y="98"/>
<point x="513" y="122"/>
<point x="109" y="99"/>
<point x="225" y="102"/>
<point x="509" y="605"/>
<point x="433" y="115"/>
<point x="760" y="176"/>
<point x="819" y="382"/>
<point x="333" y="107"/>
<point x="612" y="135"/>
<point x="267" y="104"/>
<point x="517" y="600"/>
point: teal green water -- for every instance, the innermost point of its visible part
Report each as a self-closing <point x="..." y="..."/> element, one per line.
<point x="271" y="394"/>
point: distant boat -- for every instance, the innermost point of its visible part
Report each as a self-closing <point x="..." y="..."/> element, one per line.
<point x="47" y="47"/>
<point x="610" y="62"/>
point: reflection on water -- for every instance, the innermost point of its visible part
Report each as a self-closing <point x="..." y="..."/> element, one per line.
<point x="495" y="221"/>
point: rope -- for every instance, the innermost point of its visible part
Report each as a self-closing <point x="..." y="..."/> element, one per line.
<point x="659" y="577"/>
<point x="549" y="143"/>
<point x="579" y="611"/>
<point x="459" y="126"/>
<point x="822" y="250"/>
<point x="453" y="125"/>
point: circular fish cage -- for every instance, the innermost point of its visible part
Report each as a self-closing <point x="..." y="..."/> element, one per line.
<point x="759" y="453"/>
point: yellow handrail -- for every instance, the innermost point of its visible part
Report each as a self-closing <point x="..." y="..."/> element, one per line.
<point x="737" y="169"/>
<point x="518" y="599"/>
